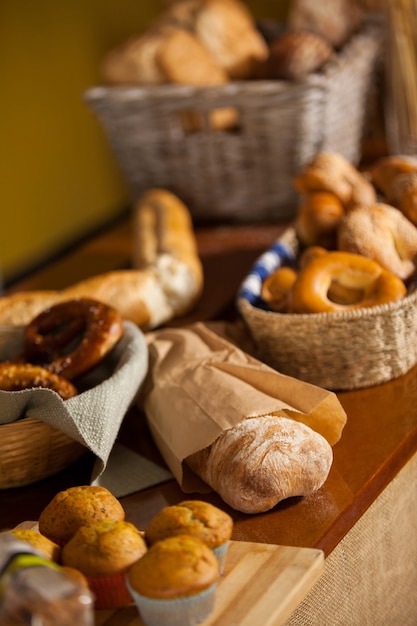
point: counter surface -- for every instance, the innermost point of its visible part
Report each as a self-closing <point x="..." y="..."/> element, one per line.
<point x="380" y="435"/>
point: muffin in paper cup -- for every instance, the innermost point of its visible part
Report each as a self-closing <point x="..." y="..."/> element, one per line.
<point x="175" y="582"/>
<point x="197" y="518"/>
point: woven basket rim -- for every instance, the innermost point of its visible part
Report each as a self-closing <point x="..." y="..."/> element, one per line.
<point x="289" y="237"/>
<point x="377" y="310"/>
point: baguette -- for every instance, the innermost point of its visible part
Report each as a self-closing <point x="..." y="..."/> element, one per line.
<point x="263" y="460"/>
<point x="166" y="280"/>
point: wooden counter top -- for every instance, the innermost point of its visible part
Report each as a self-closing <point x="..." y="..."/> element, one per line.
<point x="380" y="435"/>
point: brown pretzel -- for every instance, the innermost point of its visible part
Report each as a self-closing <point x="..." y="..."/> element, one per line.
<point x="71" y="337"/>
<point x="18" y="376"/>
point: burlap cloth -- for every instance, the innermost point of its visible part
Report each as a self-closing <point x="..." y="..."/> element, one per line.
<point x="370" y="578"/>
<point x="94" y="416"/>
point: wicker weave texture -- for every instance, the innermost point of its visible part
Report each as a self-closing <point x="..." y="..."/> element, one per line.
<point x="31" y="450"/>
<point x="338" y="351"/>
<point x="246" y="173"/>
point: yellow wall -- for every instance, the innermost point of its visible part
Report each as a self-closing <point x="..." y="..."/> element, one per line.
<point x="59" y="179"/>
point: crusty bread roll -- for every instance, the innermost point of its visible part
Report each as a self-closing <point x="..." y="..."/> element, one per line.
<point x="335" y="20"/>
<point x="135" y="62"/>
<point x="184" y="59"/>
<point x="228" y="31"/>
<point x="330" y="171"/>
<point x="166" y="283"/>
<point x="294" y="55"/>
<point x="317" y="219"/>
<point x="263" y="460"/>
<point x="382" y="233"/>
<point x="386" y="169"/>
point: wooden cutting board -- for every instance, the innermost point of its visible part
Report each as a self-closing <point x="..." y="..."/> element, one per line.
<point x="261" y="586"/>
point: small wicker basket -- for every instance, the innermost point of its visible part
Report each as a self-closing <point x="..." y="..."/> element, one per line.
<point x="243" y="174"/>
<point x="31" y="450"/>
<point x="337" y="351"/>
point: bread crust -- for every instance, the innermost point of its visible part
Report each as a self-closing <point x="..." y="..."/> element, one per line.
<point x="166" y="281"/>
<point x="263" y="460"/>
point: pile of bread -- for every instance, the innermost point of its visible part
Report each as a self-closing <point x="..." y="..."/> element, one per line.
<point x="371" y="214"/>
<point x="213" y="42"/>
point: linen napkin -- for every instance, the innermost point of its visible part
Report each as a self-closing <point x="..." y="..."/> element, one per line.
<point x="94" y="416"/>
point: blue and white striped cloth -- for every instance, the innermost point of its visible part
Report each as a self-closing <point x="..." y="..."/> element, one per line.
<point x="278" y="255"/>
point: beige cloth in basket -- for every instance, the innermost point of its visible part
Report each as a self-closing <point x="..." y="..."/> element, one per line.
<point x="94" y="416"/>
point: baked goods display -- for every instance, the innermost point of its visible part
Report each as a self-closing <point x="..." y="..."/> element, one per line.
<point x="167" y="284"/>
<point x="367" y="247"/>
<point x="263" y="460"/>
<point x="97" y="546"/>
<point x="221" y="32"/>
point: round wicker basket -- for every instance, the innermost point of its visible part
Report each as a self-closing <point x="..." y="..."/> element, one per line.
<point x="337" y="351"/>
<point x="31" y="450"/>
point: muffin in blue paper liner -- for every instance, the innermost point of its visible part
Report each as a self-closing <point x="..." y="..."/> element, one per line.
<point x="197" y="518"/>
<point x="175" y="582"/>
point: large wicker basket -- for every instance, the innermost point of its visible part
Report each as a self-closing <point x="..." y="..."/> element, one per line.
<point x="31" y="450"/>
<point x="244" y="174"/>
<point x="337" y="351"/>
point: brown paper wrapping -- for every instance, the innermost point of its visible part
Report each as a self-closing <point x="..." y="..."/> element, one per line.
<point x="199" y="384"/>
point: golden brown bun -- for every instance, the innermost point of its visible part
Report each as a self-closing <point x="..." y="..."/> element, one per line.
<point x="332" y="172"/>
<point x="191" y="517"/>
<point x="317" y="219"/>
<point x="263" y="460"/>
<point x="134" y="62"/>
<point x="228" y="31"/>
<point x="224" y="29"/>
<point x="174" y="567"/>
<point x="166" y="283"/>
<point x="185" y="60"/>
<point x="386" y="169"/>
<point x="335" y="20"/>
<point x="104" y="548"/>
<point x="75" y="507"/>
<point x="49" y="548"/>
<point x="404" y="194"/>
<point x="382" y="233"/>
<point x="294" y="55"/>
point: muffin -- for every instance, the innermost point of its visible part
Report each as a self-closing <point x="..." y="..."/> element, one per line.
<point x="42" y="544"/>
<point x="196" y="518"/>
<point x="174" y="583"/>
<point x="103" y="552"/>
<point x="75" y="507"/>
